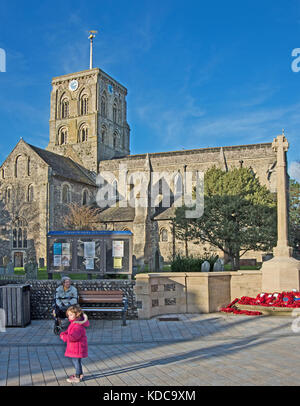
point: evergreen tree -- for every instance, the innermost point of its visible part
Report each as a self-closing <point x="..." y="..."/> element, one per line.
<point x="239" y="214"/>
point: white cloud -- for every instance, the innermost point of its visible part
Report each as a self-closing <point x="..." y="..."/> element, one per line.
<point x="192" y="125"/>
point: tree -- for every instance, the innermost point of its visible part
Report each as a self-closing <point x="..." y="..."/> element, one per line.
<point x="294" y="214"/>
<point x="81" y="217"/>
<point x="239" y="214"/>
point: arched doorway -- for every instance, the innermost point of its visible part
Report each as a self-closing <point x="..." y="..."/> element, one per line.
<point x="18" y="259"/>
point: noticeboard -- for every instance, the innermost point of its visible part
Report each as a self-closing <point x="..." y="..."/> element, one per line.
<point x="99" y="252"/>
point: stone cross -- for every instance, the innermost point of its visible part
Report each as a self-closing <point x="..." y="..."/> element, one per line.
<point x="280" y="146"/>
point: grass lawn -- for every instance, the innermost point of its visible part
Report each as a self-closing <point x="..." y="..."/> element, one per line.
<point x="42" y="272"/>
<point x="227" y="267"/>
<point x="42" y="275"/>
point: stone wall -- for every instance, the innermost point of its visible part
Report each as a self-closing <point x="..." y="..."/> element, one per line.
<point x="59" y="209"/>
<point x="42" y="294"/>
<point x="24" y="168"/>
<point x="96" y="85"/>
<point x="192" y="292"/>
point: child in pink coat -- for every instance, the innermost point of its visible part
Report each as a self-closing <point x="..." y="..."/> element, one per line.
<point x="75" y="337"/>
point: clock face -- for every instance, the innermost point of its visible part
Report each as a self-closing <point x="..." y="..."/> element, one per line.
<point x="73" y="85"/>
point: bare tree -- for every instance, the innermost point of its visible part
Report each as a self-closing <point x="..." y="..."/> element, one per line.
<point x="81" y="217"/>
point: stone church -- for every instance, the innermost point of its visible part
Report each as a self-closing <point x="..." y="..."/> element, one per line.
<point x="89" y="135"/>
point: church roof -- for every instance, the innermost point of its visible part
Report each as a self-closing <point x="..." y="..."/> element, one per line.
<point x="166" y="214"/>
<point x="65" y="167"/>
<point x="194" y="151"/>
<point x="117" y="214"/>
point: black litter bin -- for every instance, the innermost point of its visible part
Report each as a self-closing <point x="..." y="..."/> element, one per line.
<point x="15" y="300"/>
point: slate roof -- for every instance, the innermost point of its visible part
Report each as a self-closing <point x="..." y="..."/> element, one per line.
<point x="117" y="214"/>
<point x="65" y="167"/>
<point x="165" y="214"/>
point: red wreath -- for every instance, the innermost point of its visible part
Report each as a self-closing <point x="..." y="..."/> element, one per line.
<point x="276" y="299"/>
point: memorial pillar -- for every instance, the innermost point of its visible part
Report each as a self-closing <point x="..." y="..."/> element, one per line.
<point x="282" y="273"/>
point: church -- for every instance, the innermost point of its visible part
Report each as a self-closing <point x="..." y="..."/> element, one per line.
<point x="89" y="136"/>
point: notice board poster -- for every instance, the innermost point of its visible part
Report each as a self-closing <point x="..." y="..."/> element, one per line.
<point x="89" y="249"/>
<point x="61" y="254"/>
<point x="56" y="260"/>
<point x="117" y="263"/>
<point x="57" y="248"/>
<point x="118" y="249"/>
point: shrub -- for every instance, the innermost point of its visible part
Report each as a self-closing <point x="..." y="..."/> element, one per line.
<point x="192" y="264"/>
<point x="186" y="264"/>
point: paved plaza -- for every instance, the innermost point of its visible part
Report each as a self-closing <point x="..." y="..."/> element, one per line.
<point x="198" y="349"/>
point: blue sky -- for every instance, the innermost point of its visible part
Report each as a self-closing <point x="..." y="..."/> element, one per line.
<point x="198" y="73"/>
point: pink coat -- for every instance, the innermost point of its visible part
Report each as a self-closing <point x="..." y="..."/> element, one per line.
<point x="76" y="339"/>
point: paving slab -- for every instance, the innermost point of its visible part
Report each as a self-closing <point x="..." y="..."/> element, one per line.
<point x="198" y="350"/>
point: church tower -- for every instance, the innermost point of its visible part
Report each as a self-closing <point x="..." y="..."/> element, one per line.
<point x="88" y="118"/>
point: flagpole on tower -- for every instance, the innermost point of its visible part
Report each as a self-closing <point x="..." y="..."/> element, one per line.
<point x="91" y="37"/>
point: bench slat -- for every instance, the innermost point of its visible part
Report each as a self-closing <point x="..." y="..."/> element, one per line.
<point x="104" y="309"/>
<point x="100" y="292"/>
<point x="100" y="300"/>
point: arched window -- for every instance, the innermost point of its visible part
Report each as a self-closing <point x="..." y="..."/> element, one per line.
<point x="103" y="134"/>
<point x="19" y="233"/>
<point x="20" y="237"/>
<point x="83" y="133"/>
<point x="85" y="197"/>
<point x="84" y="105"/>
<point x="115" y="189"/>
<point x="66" y="194"/>
<point x="164" y="235"/>
<point x="15" y="238"/>
<point x="3" y="173"/>
<point x="160" y="186"/>
<point x="62" y="136"/>
<point x="8" y="194"/>
<point x="28" y="166"/>
<point x="115" y="140"/>
<point x="115" y="112"/>
<point x="178" y="185"/>
<point x="103" y="109"/>
<point x="30" y="194"/>
<point x="25" y="238"/>
<point x="17" y="165"/>
<point x="65" y="108"/>
<point x="130" y="188"/>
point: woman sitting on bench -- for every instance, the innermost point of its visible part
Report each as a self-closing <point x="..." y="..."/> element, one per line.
<point x="65" y="296"/>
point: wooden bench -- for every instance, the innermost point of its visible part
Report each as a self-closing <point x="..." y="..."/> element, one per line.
<point x="103" y="301"/>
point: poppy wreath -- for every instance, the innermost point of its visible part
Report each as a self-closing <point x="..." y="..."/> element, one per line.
<point x="276" y="299"/>
<point x="283" y="299"/>
<point x="232" y="309"/>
